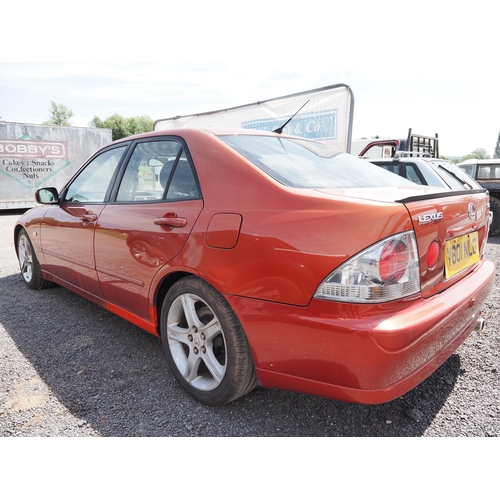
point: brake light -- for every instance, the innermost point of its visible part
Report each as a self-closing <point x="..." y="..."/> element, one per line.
<point x="388" y="270"/>
<point x="393" y="261"/>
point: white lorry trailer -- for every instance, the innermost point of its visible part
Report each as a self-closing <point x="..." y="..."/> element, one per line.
<point x="324" y="114"/>
<point x="34" y="156"/>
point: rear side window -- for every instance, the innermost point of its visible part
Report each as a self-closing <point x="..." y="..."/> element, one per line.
<point x="158" y="171"/>
<point x="455" y="177"/>
<point x="182" y="185"/>
<point x="390" y="167"/>
<point x="306" y="164"/>
<point x="489" y="172"/>
<point x="468" y="169"/>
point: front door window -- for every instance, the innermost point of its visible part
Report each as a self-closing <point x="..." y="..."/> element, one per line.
<point x="93" y="182"/>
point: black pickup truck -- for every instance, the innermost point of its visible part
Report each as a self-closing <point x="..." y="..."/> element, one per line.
<point x="487" y="174"/>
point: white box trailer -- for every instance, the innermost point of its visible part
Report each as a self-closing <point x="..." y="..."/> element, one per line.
<point x="324" y="114"/>
<point x="35" y="156"/>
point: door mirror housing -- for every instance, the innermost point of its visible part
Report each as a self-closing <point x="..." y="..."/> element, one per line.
<point x="47" y="196"/>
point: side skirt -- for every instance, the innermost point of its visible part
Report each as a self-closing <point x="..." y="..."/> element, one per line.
<point x="122" y="313"/>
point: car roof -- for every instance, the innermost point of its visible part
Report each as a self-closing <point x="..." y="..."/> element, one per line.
<point x="193" y="131"/>
<point x="419" y="158"/>
<point x="406" y="159"/>
<point x="491" y="161"/>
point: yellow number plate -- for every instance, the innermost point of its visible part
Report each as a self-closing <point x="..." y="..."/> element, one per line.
<point x="461" y="253"/>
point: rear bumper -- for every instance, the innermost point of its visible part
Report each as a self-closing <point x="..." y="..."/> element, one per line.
<point x="361" y="353"/>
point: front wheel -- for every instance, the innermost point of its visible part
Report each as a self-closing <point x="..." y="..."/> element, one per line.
<point x="28" y="263"/>
<point x="204" y="343"/>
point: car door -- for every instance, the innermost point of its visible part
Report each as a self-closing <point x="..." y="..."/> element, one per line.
<point x="148" y="222"/>
<point x="67" y="229"/>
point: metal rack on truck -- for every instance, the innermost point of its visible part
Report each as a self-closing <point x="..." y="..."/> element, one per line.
<point x="420" y="145"/>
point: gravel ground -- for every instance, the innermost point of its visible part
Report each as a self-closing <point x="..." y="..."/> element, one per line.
<point x="70" y="368"/>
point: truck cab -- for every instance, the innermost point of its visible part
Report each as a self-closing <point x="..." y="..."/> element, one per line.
<point x="487" y="174"/>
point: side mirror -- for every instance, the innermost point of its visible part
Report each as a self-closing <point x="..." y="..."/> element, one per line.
<point x="47" y="196"/>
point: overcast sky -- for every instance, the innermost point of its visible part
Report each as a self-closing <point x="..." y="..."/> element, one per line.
<point x="425" y="66"/>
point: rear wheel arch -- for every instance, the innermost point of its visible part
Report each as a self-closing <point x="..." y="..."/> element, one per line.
<point x="163" y="287"/>
<point x="161" y="291"/>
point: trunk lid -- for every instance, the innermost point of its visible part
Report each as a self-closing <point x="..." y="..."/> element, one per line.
<point x="451" y="229"/>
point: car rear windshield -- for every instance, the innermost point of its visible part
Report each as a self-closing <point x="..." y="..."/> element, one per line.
<point x="307" y="164"/>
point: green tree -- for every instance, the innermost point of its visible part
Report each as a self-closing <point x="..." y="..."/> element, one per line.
<point x="140" y="124"/>
<point x="496" y="154"/>
<point x="59" y="115"/>
<point x="124" y="127"/>
<point x="478" y="154"/>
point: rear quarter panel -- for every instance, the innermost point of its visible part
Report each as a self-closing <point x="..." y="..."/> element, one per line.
<point x="290" y="239"/>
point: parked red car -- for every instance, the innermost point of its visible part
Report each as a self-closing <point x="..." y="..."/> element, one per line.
<point x="267" y="259"/>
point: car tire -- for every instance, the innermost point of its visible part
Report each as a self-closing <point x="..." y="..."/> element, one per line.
<point x="495" y="223"/>
<point x="31" y="271"/>
<point x="204" y="343"/>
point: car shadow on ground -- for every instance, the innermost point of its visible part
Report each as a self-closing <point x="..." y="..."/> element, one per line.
<point x="113" y="376"/>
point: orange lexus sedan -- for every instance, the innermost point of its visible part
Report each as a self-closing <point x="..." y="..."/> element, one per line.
<point x="261" y="258"/>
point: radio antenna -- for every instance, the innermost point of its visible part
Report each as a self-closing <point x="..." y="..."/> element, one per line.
<point x="280" y="129"/>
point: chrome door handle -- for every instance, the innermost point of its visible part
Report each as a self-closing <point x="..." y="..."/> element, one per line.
<point x="89" y="217"/>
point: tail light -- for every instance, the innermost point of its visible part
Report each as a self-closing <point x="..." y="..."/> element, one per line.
<point x="388" y="270"/>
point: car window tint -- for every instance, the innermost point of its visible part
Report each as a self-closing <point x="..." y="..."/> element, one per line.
<point x="488" y="172"/>
<point x="468" y="169"/>
<point x="390" y="167"/>
<point x="427" y="175"/>
<point x="148" y="171"/>
<point x="183" y="185"/>
<point x="307" y="164"/>
<point x="92" y="183"/>
<point x="454" y="176"/>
